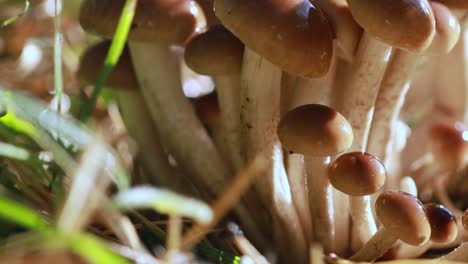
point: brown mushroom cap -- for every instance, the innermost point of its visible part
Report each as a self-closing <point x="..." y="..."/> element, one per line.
<point x="164" y="21"/>
<point x="456" y="4"/>
<point x="315" y="130"/>
<point x="465" y="220"/>
<point x="92" y="61"/>
<point x="215" y="52"/>
<point x="447" y="30"/>
<point x="444" y="227"/>
<point x="293" y="34"/>
<point x="357" y="174"/>
<point x="449" y="143"/>
<point x="403" y="215"/>
<point x="408" y="25"/>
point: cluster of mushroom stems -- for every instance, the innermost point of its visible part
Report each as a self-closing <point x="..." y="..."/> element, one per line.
<point x="317" y="88"/>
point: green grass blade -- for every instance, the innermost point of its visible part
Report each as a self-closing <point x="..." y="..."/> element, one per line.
<point x="17" y="213"/>
<point x="58" y="76"/>
<point x="93" y="249"/>
<point x="113" y="55"/>
<point x="14" y="18"/>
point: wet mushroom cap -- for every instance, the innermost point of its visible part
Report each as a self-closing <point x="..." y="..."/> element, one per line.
<point x="403" y="215"/>
<point x="294" y="35"/>
<point x="92" y="61"/>
<point x="456" y="4"/>
<point x="449" y="143"/>
<point x="163" y="21"/>
<point x="357" y="174"/>
<point x="447" y="30"/>
<point x="444" y="227"/>
<point x="408" y="25"/>
<point x="315" y="130"/>
<point x="215" y="52"/>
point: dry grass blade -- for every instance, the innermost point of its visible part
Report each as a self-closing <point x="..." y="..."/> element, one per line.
<point x="230" y="197"/>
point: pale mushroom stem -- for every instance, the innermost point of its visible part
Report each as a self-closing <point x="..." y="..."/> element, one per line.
<point x="395" y="84"/>
<point x="451" y="83"/>
<point x="340" y="200"/>
<point x="360" y="92"/>
<point x="376" y="246"/>
<point x="155" y="160"/>
<point x="260" y="113"/>
<point x="320" y="200"/>
<point x="228" y="89"/>
<point x="158" y="74"/>
<point x="297" y="180"/>
<point x="174" y="233"/>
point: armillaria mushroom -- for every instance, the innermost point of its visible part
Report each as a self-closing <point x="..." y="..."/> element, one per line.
<point x="403" y="217"/>
<point x="217" y="52"/>
<point x="317" y="132"/>
<point x="403" y="24"/>
<point x="294" y="36"/>
<point x="135" y="115"/>
<point x="397" y="81"/>
<point x="460" y="253"/>
<point x="444" y="230"/>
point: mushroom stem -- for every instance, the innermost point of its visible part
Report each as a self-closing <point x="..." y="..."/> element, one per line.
<point x="451" y="90"/>
<point x="360" y="92"/>
<point x="376" y="246"/>
<point x="297" y="181"/>
<point x="174" y="233"/>
<point x="141" y="128"/>
<point x="395" y="84"/>
<point x="459" y="254"/>
<point x="320" y="200"/>
<point x="227" y="87"/>
<point x="157" y="72"/>
<point x="260" y="112"/>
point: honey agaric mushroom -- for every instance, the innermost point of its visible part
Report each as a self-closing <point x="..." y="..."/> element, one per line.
<point x="444" y="230"/>
<point x="403" y="217"/>
<point x="135" y="115"/>
<point x="357" y="174"/>
<point x="317" y="132"/>
<point x="294" y="36"/>
<point x="405" y="24"/>
<point x="157" y="25"/>
<point x="397" y="80"/>
<point x="461" y="252"/>
<point x="158" y="76"/>
<point x="217" y="52"/>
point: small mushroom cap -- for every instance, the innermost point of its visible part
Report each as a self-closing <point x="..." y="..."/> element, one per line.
<point x="92" y="61"/>
<point x="455" y="4"/>
<point x="403" y="215"/>
<point x="357" y="174"/>
<point x="408" y="25"/>
<point x="449" y="144"/>
<point x="465" y="220"/>
<point x="163" y="21"/>
<point x="215" y="52"/>
<point x="315" y="130"/>
<point x="447" y="30"/>
<point x="444" y="227"/>
<point x="294" y="35"/>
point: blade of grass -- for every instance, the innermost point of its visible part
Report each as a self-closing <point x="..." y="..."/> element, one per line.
<point x="93" y="249"/>
<point x="113" y="55"/>
<point x="15" y="212"/>
<point x="14" y="18"/>
<point x="14" y="152"/>
<point x="58" y="77"/>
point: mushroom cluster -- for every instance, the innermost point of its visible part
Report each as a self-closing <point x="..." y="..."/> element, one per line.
<point x="317" y="88"/>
